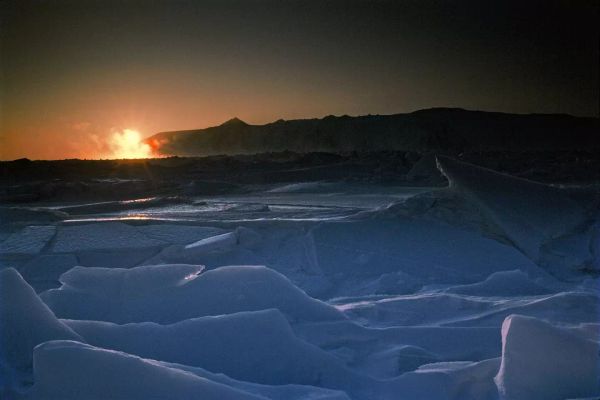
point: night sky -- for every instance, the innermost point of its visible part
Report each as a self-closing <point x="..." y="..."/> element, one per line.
<point x="75" y="72"/>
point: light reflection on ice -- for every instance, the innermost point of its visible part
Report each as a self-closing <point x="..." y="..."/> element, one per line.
<point x="294" y="207"/>
<point x="146" y="199"/>
<point x="217" y="220"/>
<point x="191" y="277"/>
<point x="124" y="218"/>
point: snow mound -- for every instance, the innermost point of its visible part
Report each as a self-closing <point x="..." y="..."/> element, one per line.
<point x="29" y="240"/>
<point x="25" y="321"/>
<point x="517" y="207"/>
<point x="502" y="283"/>
<point x="231" y="344"/>
<point x="540" y="361"/>
<point x="71" y="370"/>
<point x="99" y="236"/>
<point x="171" y="293"/>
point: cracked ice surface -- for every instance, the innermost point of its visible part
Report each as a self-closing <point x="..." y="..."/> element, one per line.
<point x="468" y="292"/>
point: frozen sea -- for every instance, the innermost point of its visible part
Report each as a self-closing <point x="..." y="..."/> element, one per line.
<point x="484" y="289"/>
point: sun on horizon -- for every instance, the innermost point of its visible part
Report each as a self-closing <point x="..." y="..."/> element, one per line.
<point x="128" y="144"/>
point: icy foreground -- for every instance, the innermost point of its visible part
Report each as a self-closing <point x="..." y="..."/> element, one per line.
<point x="487" y="289"/>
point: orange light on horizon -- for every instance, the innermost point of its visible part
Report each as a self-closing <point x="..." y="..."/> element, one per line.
<point x="128" y="144"/>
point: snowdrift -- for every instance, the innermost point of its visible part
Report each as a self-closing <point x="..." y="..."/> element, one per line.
<point x="171" y="293"/>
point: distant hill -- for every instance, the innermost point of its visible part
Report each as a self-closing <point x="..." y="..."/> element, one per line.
<point x="438" y="129"/>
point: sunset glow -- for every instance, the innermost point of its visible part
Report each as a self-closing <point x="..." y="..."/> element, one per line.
<point x="350" y="199"/>
<point x="73" y="71"/>
<point x="128" y="144"/>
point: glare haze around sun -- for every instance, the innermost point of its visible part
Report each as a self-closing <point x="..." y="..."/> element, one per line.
<point x="127" y="143"/>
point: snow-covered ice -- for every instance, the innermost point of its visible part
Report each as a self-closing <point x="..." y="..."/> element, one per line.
<point x="171" y="293"/>
<point x="486" y="289"/>
<point x="25" y="322"/>
<point x="267" y="340"/>
<point x="540" y="361"/>
<point x="521" y="209"/>
<point x="72" y="370"/>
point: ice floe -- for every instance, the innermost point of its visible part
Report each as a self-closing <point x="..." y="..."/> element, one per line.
<point x="541" y="361"/>
<point x="72" y="370"/>
<point x="234" y="344"/>
<point x="171" y="293"/>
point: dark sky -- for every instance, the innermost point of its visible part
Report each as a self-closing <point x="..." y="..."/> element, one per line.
<point x="76" y="72"/>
